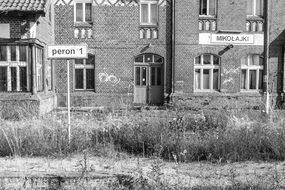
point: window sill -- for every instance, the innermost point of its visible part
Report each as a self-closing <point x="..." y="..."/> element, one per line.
<point x="83" y="24"/>
<point x="256" y="18"/>
<point x="208" y="17"/>
<point x="148" y="26"/>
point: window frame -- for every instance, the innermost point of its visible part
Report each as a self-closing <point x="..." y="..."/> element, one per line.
<point x="149" y="3"/>
<point x="83" y="66"/>
<point x="249" y="68"/>
<point x="254" y="9"/>
<point x="83" y="11"/>
<point x="211" y="67"/>
<point x="208" y="9"/>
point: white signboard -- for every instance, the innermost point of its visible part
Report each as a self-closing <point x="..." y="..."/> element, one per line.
<point x="67" y="52"/>
<point x="233" y="38"/>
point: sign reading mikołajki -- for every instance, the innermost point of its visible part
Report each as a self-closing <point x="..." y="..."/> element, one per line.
<point x="67" y="52"/>
<point x="232" y="38"/>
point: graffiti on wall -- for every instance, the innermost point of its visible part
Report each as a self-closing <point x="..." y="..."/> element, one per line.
<point x="104" y="77"/>
<point x="228" y="73"/>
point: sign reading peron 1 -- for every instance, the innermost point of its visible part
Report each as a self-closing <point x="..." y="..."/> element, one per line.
<point x="67" y="52"/>
<point x="232" y="38"/>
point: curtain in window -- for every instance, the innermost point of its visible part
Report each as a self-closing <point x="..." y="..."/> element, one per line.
<point x="197" y="79"/>
<point x="249" y="4"/>
<point x="206" y="78"/>
<point x="144" y="13"/>
<point x="79" y="12"/>
<point x="216" y="79"/>
<point x="243" y="79"/>
<point x="153" y="9"/>
<point x="212" y="6"/>
<point x="88" y="10"/>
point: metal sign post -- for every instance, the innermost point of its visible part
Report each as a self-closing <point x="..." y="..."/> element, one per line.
<point x="67" y="52"/>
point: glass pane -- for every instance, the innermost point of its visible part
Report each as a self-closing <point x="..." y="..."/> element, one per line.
<point x="260" y="61"/>
<point x="259" y="7"/>
<point x="216" y="60"/>
<point x="243" y="79"/>
<point x="249" y="7"/>
<point x="206" y="78"/>
<point x="203" y="7"/>
<point x="139" y="59"/>
<point x="198" y="60"/>
<point x="250" y="59"/>
<point x="90" y="79"/>
<point x="197" y="79"/>
<point x="13" y="72"/>
<point x="143" y="76"/>
<point x="206" y="59"/>
<point x="148" y="58"/>
<point x="79" y="79"/>
<point x="23" y="53"/>
<point x="90" y="60"/>
<point x="212" y="6"/>
<point x="153" y="8"/>
<point x="88" y="11"/>
<point x="158" y="59"/>
<point x="216" y="79"/>
<point x="159" y="76"/>
<point x="3" y="53"/>
<point x="243" y="60"/>
<point x="152" y="77"/>
<point x="79" y="61"/>
<point x="79" y="12"/>
<point x="138" y="76"/>
<point x="39" y="56"/>
<point x="260" y="86"/>
<point x="23" y="79"/>
<point x="3" y="79"/>
<point x="252" y="79"/>
<point x="144" y="13"/>
<point x="256" y="60"/>
<point x="13" y="53"/>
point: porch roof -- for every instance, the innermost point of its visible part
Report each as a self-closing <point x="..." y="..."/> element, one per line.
<point x="22" y="5"/>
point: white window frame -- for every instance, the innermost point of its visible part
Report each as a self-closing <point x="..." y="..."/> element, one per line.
<point x="249" y="68"/>
<point x="149" y="3"/>
<point x="83" y="10"/>
<point x="210" y="67"/>
<point x="83" y="66"/>
<point x="254" y="9"/>
<point x="17" y="64"/>
<point x="208" y="9"/>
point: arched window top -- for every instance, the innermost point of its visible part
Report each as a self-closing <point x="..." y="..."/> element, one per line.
<point x="252" y="60"/>
<point x="207" y="59"/>
<point x="149" y="58"/>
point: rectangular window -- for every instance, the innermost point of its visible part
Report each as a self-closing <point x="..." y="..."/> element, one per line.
<point x="13" y="72"/>
<point x="255" y="8"/>
<point x="39" y="65"/>
<point x="83" y="12"/>
<point x="251" y="73"/>
<point x="23" y="53"/>
<point x="13" y="53"/>
<point x="207" y="8"/>
<point x="3" y="53"/>
<point x="207" y="73"/>
<point x="84" y="73"/>
<point x="23" y="79"/>
<point x="3" y="79"/>
<point x="149" y="13"/>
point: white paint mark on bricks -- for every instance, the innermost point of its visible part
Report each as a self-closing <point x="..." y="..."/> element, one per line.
<point x="106" y="78"/>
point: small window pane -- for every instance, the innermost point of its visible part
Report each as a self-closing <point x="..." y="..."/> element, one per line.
<point x="139" y="59"/>
<point x="197" y="79"/>
<point x="159" y="75"/>
<point x="259" y="7"/>
<point x="143" y="76"/>
<point x="79" y="79"/>
<point x="206" y="79"/>
<point x="79" y="61"/>
<point x="144" y="13"/>
<point x="3" y="53"/>
<point x="153" y="14"/>
<point x="244" y="60"/>
<point x="90" y="60"/>
<point x="206" y="59"/>
<point x="216" y="60"/>
<point x="203" y="7"/>
<point x="252" y="79"/>
<point x="212" y="6"/>
<point x="88" y="12"/>
<point x="79" y="12"/>
<point x="158" y="59"/>
<point x="256" y="60"/>
<point x="249" y="4"/>
<point x="138" y="76"/>
<point x="198" y="60"/>
<point x="243" y="79"/>
<point x="13" y="72"/>
<point x="13" y="53"/>
<point x="260" y="79"/>
<point x="261" y="61"/>
<point x="23" y="79"/>
<point x="152" y="77"/>
<point x="148" y="58"/>
<point x="90" y="79"/>
<point x="23" y="53"/>
<point x="216" y="79"/>
<point x="3" y="79"/>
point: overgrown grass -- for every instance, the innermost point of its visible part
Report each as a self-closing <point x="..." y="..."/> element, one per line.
<point x="177" y="136"/>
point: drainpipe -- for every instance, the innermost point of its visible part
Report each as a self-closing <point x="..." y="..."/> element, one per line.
<point x="266" y="55"/>
<point x="173" y="48"/>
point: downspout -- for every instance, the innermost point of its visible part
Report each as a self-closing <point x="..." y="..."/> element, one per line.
<point x="266" y="55"/>
<point x="173" y="49"/>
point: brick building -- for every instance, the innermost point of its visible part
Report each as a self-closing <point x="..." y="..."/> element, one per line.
<point x="25" y="73"/>
<point x="219" y="53"/>
<point x="201" y="53"/>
